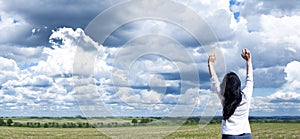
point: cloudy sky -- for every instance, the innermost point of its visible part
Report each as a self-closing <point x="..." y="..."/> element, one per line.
<point x="144" y="58"/>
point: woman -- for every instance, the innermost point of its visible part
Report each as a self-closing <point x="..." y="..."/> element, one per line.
<point x="235" y="101"/>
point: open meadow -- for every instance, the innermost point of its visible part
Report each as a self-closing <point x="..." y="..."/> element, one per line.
<point x="259" y="130"/>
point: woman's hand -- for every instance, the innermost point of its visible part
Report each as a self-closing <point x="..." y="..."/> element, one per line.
<point x="212" y="58"/>
<point x="246" y="54"/>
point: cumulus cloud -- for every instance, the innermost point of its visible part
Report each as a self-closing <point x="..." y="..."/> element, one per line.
<point x="46" y="84"/>
<point x="111" y="83"/>
<point x="264" y="77"/>
<point x="44" y="16"/>
<point x="13" y="30"/>
<point x="292" y="75"/>
<point x="56" y="13"/>
<point x="8" y="70"/>
<point x="276" y="7"/>
<point x="280" y="103"/>
<point x="270" y="38"/>
<point x="47" y="66"/>
<point x="22" y="55"/>
<point x="286" y="99"/>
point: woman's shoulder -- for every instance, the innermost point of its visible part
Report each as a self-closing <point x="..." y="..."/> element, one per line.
<point x="245" y="98"/>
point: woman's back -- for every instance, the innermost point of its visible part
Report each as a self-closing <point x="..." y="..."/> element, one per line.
<point x="235" y="102"/>
<point x="238" y="123"/>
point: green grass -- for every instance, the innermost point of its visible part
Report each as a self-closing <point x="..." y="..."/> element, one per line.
<point x="50" y="133"/>
<point x="259" y="131"/>
<point x="213" y="131"/>
<point x="276" y="130"/>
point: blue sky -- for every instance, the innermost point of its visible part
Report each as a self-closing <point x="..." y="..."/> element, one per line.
<point x="53" y="63"/>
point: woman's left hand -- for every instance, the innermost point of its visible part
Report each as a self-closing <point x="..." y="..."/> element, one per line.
<point x="212" y="58"/>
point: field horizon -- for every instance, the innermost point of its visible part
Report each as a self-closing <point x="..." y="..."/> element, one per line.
<point x="140" y="127"/>
<point x="259" y="130"/>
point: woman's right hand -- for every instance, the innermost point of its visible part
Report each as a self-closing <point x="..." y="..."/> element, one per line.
<point x="246" y="54"/>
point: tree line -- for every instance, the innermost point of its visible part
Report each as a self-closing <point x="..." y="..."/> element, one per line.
<point x="8" y="122"/>
<point x="134" y="122"/>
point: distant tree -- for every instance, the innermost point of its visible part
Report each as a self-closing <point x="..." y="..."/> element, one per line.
<point x="73" y="125"/>
<point x="126" y="124"/>
<point x="114" y="124"/>
<point x="18" y="124"/>
<point x="134" y="121"/>
<point x="30" y="124"/>
<point x="145" y="120"/>
<point x="46" y="125"/>
<point x="53" y="124"/>
<point x="87" y="125"/>
<point x="9" y="122"/>
<point x="187" y="122"/>
<point x="64" y="125"/>
<point x="38" y="124"/>
<point x="80" y="117"/>
<point x="100" y="124"/>
<point x="2" y="123"/>
<point x="79" y="124"/>
<point x="68" y="125"/>
<point x="57" y="125"/>
<point x="50" y="124"/>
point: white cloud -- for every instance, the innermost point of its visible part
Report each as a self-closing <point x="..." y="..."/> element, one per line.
<point x="170" y="99"/>
<point x="48" y="83"/>
<point x="265" y="77"/>
<point x="287" y="98"/>
<point x="292" y="75"/>
<point x="44" y="76"/>
<point x="59" y="58"/>
<point x="272" y="41"/>
<point x="8" y="70"/>
<point x="274" y="30"/>
<point x="8" y="65"/>
<point x="12" y="29"/>
<point x="190" y="97"/>
<point x="23" y="56"/>
<point x="216" y="14"/>
<point x="40" y="80"/>
<point x="275" y="104"/>
<point x="131" y="97"/>
<point x="276" y="7"/>
<point x="151" y="96"/>
<point x="206" y="8"/>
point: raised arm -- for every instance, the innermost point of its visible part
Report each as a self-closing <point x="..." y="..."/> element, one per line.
<point x="211" y="60"/>
<point x="247" y="56"/>
<point x="215" y="83"/>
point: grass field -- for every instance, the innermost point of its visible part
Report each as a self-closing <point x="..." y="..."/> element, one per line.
<point x="259" y="131"/>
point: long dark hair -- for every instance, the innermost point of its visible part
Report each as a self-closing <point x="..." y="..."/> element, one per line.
<point x="231" y="86"/>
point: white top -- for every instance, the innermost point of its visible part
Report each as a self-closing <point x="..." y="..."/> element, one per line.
<point x="238" y="123"/>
